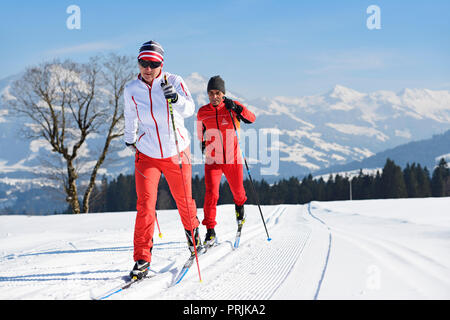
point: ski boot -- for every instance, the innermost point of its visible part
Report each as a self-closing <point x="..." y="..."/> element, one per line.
<point x="210" y="238"/>
<point x="140" y="270"/>
<point x="198" y="243"/>
<point x="240" y="215"/>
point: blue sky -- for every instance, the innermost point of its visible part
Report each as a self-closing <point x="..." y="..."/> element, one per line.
<point x="261" y="48"/>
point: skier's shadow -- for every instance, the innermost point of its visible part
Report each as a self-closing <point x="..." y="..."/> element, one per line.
<point x="69" y="276"/>
<point x="61" y="276"/>
<point x="157" y="246"/>
<point x="167" y="268"/>
<point x="71" y="251"/>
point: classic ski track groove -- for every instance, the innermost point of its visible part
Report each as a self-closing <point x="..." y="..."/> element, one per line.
<point x="265" y="278"/>
<point x="406" y="261"/>
<point x="222" y="251"/>
<point x="213" y="257"/>
<point x="410" y="265"/>
<point x="330" y="242"/>
<point x="301" y="261"/>
<point x="286" y="246"/>
<point x="259" y="285"/>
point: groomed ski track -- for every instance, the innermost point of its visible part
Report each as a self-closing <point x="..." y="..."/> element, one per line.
<point x="253" y="271"/>
<point x="321" y="250"/>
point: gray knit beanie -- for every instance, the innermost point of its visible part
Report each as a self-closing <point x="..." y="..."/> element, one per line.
<point x="216" y="83"/>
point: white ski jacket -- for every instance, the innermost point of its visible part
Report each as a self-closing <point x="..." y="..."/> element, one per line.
<point x="147" y="119"/>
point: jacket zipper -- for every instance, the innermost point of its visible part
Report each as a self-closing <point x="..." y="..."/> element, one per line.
<point x="151" y="111"/>
<point x="220" y="135"/>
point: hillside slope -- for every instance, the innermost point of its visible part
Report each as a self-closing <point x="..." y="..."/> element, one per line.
<point x="426" y="152"/>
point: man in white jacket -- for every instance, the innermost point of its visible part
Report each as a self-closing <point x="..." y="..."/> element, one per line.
<point x="149" y="132"/>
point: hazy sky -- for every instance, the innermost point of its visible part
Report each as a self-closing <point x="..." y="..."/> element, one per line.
<point x="261" y="48"/>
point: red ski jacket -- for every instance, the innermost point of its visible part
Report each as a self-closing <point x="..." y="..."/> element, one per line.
<point x="215" y="128"/>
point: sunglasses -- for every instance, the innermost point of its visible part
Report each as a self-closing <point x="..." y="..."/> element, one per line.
<point x="151" y="64"/>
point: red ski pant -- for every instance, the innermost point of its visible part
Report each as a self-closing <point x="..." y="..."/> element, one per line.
<point x="147" y="175"/>
<point x="213" y="174"/>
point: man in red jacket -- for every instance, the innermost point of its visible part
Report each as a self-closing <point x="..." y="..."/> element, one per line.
<point x="221" y="147"/>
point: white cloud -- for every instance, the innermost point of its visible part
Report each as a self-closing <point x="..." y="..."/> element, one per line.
<point x="351" y="60"/>
<point x="85" y="47"/>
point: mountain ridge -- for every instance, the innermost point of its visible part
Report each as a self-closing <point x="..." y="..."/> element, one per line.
<point x="304" y="134"/>
<point x="425" y="152"/>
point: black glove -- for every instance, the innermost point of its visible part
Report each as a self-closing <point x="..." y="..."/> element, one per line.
<point x="230" y="105"/>
<point x="169" y="92"/>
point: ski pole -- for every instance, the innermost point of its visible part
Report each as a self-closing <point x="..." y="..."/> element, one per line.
<point x="157" y="224"/>
<point x="169" y="101"/>
<point x="250" y="176"/>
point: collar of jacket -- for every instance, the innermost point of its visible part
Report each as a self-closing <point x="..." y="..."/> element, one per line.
<point x="150" y="84"/>
<point x="220" y="106"/>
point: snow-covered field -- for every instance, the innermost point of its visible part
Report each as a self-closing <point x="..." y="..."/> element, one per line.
<point x="376" y="249"/>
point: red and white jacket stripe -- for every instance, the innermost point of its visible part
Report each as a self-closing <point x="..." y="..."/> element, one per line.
<point x="147" y="117"/>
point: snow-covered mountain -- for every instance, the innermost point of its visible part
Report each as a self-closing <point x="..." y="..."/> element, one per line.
<point x="341" y="125"/>
<point x="313" y="132"/>
<point x="426" y="152"/>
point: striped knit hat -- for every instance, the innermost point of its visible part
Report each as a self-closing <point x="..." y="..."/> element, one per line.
<point x="151" y="50"/>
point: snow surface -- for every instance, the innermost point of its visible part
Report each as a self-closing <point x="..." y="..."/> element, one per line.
<point x="374" y="249"/>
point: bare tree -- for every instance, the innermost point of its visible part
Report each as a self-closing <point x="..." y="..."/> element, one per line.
<point x="67" y="102"/>
<point x="117" y="71"/>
